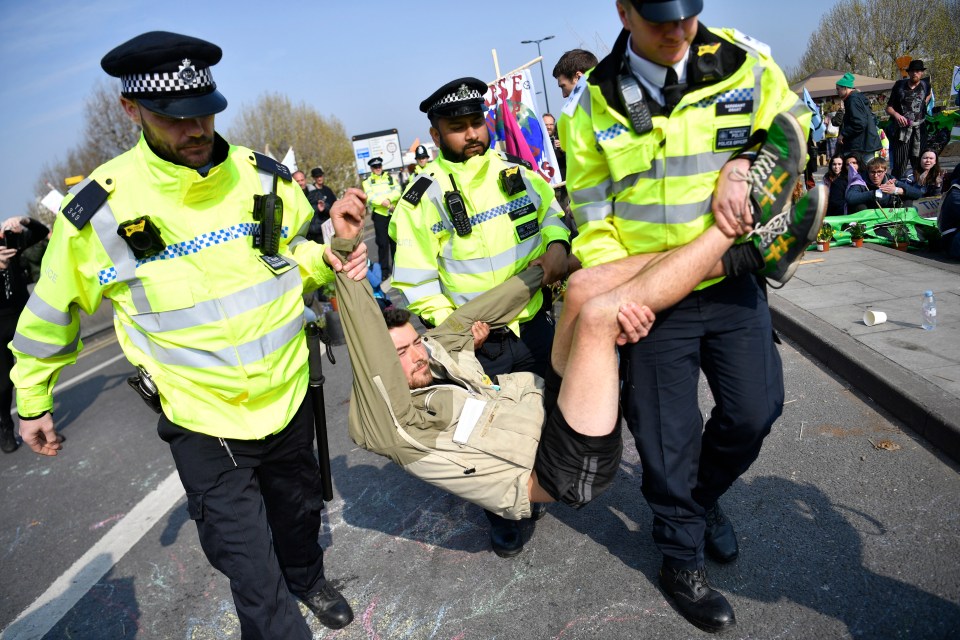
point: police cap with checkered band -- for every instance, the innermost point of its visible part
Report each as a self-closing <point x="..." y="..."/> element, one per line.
<point x="459" y="97"/>
<point x="168" y="73"/>
<point x="660" y="11"/>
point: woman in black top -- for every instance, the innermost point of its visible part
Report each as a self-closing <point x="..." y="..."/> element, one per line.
<point x="16" y="234"/>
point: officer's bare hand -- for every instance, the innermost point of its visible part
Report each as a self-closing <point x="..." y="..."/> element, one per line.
<point x="40" y="436"/>
<point x="635" y="322"/>
<point x="731" y="208"/>
<point x="480" y="331"/>
<point x="347" y="213"/>
<point x="553" y="262"/>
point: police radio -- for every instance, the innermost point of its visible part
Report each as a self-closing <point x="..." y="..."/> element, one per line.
<point x="268" y="211"/>
<point x="631" y="95"/>
<point x="457" y="210"/>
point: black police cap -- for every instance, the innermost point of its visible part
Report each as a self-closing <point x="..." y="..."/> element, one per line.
<point x="375" y="162"/>
<point x="421" y="152"/>
<point x="459" y="97"/>
<point x="168" y="73"/>
<point x="668" y="10"/>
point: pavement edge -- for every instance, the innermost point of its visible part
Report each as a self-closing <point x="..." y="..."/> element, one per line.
<point x="924" y="407"/>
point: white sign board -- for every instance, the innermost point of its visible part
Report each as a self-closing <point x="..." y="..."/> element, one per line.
<point x="385" y="144"/>
<point x="52" y="201"/>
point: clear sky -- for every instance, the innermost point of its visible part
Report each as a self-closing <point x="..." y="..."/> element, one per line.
<point x="367" y="62"/>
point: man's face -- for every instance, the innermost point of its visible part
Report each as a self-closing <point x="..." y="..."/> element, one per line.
<point x="423" y="161"/>
<point x="461" y="137"/>
<point x="662" y="43"/>
<point x="187" y="142"/>
<point x="413" y="356"/>
<point x="550" y="124"/>
<point x="876" y="174"/>
<point x="318" y="181"/>
<point x="842" y="92"/>
<point x="377" y="169"/>
<point x="301" y="179"/>
<point x="567" y="84"/>
<point x="915" y="76"/>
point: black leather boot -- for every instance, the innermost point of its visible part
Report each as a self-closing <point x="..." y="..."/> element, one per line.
<point x="720" y="540"/>
<point x="331" y="609"/>
<point x="698" y="602"/>
<point x="504" y="535"/>
<point x="8" y="441"/>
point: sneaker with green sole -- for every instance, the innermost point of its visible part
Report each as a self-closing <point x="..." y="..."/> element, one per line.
<point x="783" y="239"/>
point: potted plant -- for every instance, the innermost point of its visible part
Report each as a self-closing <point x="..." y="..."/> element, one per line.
<point x="329" y="291"/>
<point x="857" y="230"/>
<point x="824" y="236"/>
<point x="901" y="236"/>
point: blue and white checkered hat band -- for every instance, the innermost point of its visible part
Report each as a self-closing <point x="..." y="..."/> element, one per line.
<point x="167" y="82"/>
<point x="460" y="95"/>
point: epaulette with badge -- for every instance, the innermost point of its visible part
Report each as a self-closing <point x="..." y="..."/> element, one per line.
<point x="415" y="191"/>
<point x="268" y="164"/>
<point x="87" y="202"/>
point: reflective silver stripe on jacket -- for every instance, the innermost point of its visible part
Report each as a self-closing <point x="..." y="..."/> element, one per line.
<point x="48" y="313"/>
<point x="488" y="264"/>
<point x="230" y="306"/>
<point x="124" y="264"/>
<point x="406" y="274"/>
<point x="593" y="212"/>
<point x="419" y="292"/>
<point x="662" y="214"/>
<point x="231" y="356"/>
<point x="38" y="349"/>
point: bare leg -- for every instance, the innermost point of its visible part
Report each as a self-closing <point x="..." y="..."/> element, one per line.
<point x="591" y="386"/>
<point x="586" y="284"/>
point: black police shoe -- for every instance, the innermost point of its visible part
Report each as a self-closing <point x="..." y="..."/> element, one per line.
<point x="720" y="540"/>
<point x="8" y="441"/>
<point x="330" y="608"/>
<point x="537" y="511"/>
<point x="504" y="535"/>
<point x="703" y="606"/>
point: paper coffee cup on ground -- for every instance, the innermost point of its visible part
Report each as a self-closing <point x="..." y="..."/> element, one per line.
<point x="871" y="318"/>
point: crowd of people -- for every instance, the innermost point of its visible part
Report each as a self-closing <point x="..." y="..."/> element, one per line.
<point x="673" y="219"/>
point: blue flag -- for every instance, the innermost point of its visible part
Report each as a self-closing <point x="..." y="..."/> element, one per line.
<point x="817" y="126"/>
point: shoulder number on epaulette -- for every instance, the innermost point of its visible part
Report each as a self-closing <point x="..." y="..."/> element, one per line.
<point x="268" y="164"/>
<point x="86" y="203"/>
<point x="417" y="189"/>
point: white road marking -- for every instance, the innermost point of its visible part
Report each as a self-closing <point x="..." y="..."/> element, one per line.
<point x="47" y="610"/>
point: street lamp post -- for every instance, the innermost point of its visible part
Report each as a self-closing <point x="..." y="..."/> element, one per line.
<point x="543" y="77"/>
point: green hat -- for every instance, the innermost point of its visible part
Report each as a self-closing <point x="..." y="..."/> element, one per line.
<point x="846" y="81"/>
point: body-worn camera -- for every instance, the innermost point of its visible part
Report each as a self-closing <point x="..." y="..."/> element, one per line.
<point x="457" y="210"/>
<point x="142" y="236"/>
<point x="511" y="181"/>
<point x="268" y="211"/>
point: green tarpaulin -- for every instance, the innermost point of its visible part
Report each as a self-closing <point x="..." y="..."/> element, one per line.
<point x="879" y="223"/>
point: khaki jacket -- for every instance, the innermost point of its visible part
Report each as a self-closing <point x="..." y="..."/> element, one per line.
<point x="465" y="435"/>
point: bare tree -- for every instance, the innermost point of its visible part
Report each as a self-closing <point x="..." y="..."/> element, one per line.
<point x="107" y="132"/>
<point x="867" y="36"/>
<point x="317" y="140"/>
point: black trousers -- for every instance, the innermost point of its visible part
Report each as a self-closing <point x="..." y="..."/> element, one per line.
<point x="8" y="327"/>
<point x="725" y="331"/>
<point x="503" y="352"/>
<point x="385" y="246"/>
<point x="258" y="521"/>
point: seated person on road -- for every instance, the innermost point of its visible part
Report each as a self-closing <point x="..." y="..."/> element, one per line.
<point x="882" y="191"/>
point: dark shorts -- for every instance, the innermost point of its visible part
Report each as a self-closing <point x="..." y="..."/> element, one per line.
<point x="574" y="468"/>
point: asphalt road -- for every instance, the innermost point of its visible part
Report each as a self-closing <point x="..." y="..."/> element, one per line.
<point x="848" y="528"/>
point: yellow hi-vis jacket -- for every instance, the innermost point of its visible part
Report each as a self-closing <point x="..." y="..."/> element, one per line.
<point x="437" y="270"/>
<point x="220" y="332"/>
<point x="634" y="194"/>
<point x="379" y="188"/>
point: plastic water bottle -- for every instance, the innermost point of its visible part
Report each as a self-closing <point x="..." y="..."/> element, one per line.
<point x="929" y="308"/>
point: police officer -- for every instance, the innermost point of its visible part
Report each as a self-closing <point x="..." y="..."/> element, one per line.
<point x="184" y="206"/>
<point x="422" y="158"/>
<point x="474" y="220"/>
<point x="659" y="146"/>
<point x="382" y="195"/>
